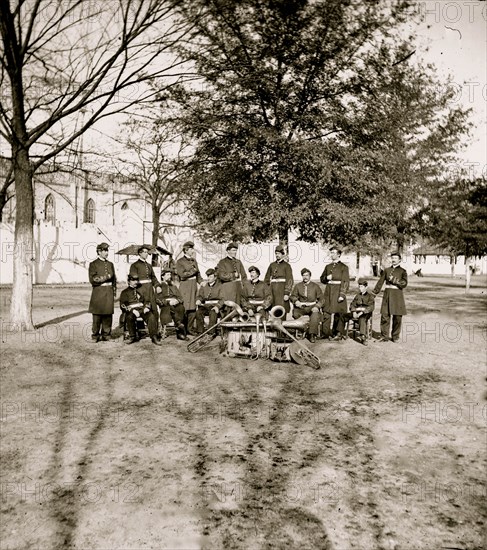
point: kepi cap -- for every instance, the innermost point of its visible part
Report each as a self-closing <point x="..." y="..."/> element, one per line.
<point x="232" y="245"/>
<point x="254" y="268"/>
<point x="103" y="246"/>
<point x="188" y="244"/>
<point x="362" y="281"/>
<point x="165" y="270"/>
<point x="280" y="248"/>
<point x="210" y="271"/>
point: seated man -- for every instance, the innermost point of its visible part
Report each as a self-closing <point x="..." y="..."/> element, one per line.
<point x="136" y="304"/>
<point x="208" y="301"/>
<point x="256" y="295"/>
<point x="172" y="305"/>
<point x="361" y="309"/>
<point x="307" y="299"/>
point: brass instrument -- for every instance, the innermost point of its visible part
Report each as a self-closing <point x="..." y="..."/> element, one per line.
<point x="204" y="339"/>
<point x="276" y="314"/>
<point x="258" y="350"/>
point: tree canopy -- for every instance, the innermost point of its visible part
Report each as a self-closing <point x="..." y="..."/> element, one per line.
<point x="310" y="115"/>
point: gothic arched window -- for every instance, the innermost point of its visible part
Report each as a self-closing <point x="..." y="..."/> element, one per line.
<point x="90" y="211"/>
<point x="49" y="209"/>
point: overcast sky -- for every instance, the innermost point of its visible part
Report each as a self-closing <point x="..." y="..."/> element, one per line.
<point x="456" y="35"/>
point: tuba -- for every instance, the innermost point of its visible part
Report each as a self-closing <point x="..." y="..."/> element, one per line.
<point x="276" y="315"/>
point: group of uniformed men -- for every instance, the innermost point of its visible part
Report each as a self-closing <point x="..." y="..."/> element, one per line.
<point x="187" y="306"/>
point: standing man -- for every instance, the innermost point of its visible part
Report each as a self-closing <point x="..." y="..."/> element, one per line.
<point x="189" y="274"/>
<point x="393" y="304"/>
<point x="279" y="276"/>
<point x="147" y="278"/>
<point x="208" y="301"/>
<point x="101" y="274"/>
<point x="172" y="305"/>
<point x="256" y="295"/>
<point x="336" y="278"/>
<point x="230" y="272"/>
<point x="136" y="305"/>
<point x="307" y="299"/>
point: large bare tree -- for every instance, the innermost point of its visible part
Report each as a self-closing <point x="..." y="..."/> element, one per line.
<point x="155" y="159"/>
<point x="59" y="59"/>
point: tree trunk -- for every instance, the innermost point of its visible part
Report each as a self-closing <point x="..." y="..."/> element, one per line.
<point x="155" y="231"/>
<point x="21" y="307"/>
<point x="453" y="261"/>
<point x="284" y="234"/>
<point x="468" y="273"/>
<point x="400" y="241"/>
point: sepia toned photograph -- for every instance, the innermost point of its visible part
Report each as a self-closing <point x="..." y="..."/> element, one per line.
<point x="243" y="275"/>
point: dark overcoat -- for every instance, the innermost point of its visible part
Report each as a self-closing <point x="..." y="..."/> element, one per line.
<point x="280" y="270"/>
<point x="189" y="275"/>
<point x="231" y="273"/>
<point x="396" y="279"/>
<point x="335" y="287"/>
<point x="101" y="275"/>
<point x="145" y="272"/>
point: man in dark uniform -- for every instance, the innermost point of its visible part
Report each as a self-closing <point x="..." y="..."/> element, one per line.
<point x="189" y="274"/>
<point x="361" y="309"/>
<point x="393" y="304"/>
<point x="101" y="275"/>
<point x="336" y="278"/>
<point x="279" y="276"/>
<point x="307" y="299"/>
<point x="136" y="305"/>
<point x="172" y="305"/>
<point x="230" y="272"/>
<point x="209" y="302"/>
<point x="256" y="295"/>
<point x="147" y="278"/>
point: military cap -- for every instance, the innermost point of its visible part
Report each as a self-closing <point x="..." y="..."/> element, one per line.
<point x="188" y="244"/>
<point x="232" y="245"/>
<point x="103" y="246"/>
<point x="143" y="247"/>
<point x="280" y="248"/>
<point x="305" y="270"/>
<point x="396" y="254"/>
<point x="165" y="270"/>
<point x="132" y="277"/>
<point x="210" y="271"/>
<point x="253" y="268"/>
<point x="362" y="281"/>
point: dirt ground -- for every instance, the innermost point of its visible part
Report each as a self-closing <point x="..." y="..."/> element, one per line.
<point x="108" y="446"/>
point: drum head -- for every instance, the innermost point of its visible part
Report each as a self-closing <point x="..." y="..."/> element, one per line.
<point x="296" y="353"/>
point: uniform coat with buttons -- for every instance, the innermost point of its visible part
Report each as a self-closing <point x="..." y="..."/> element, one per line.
<point x="231" y="272"/>
<point x="144" y="271"/>
<point x="189" y="274"/>
<point x="101" y="272"/>
<point x="255" y="292"/>
<point x="280" y="270"/>
<point x="333" y="291"/>
<point x="396" y="279"/>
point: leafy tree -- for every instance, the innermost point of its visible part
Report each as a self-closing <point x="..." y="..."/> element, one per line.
<point x="58" y="59"/>
<point x="310" y="116"/>
<point x="455" y="218"/>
